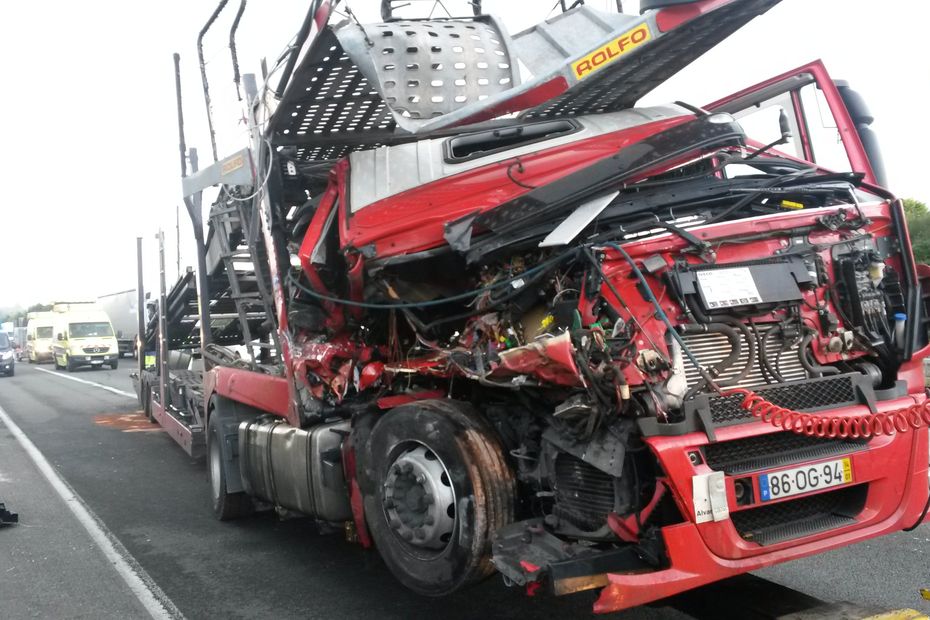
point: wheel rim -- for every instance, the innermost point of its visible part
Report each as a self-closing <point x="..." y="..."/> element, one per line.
<point x="215" y="465"/>
<point x="419" y="500"/>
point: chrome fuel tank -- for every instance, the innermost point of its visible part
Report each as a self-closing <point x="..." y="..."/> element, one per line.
<point x="296" y="468"/>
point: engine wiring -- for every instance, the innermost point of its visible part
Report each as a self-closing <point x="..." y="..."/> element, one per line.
<point x="514" y="281"/>
<point x="901" y="420"/>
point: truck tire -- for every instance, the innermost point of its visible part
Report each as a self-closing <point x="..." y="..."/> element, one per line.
<point x="115" y="364"/>
<point x="146" y="397"/>
<point x="226" y="506"/>
<point x="445" y="470"/>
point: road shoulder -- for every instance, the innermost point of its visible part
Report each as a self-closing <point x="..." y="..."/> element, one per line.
<point x="50" y="564"/>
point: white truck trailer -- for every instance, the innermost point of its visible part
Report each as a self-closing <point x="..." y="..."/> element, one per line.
<point x="122" y="308"/>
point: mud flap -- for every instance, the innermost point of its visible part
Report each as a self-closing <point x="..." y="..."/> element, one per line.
<point x="228" y="415"/>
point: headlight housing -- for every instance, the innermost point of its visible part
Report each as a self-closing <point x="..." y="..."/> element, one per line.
<point x="6" y="355"/>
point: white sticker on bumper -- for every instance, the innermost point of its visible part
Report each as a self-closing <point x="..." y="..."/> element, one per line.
<point x="710" y="497"/>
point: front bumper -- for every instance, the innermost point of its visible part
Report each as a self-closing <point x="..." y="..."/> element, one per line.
<point x="7" y="365"/>
<point x="889" y="474"/>
<point x="85" y="359"/>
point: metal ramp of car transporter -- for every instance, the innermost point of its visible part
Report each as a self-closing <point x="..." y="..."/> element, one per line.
<point x="171" y="392"/>
<point x="362" y="86"/>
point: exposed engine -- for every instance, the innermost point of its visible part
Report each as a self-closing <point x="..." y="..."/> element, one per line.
<point x="570" y="352"/>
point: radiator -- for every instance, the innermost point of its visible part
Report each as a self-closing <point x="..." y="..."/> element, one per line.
<point x="710" y="349"/>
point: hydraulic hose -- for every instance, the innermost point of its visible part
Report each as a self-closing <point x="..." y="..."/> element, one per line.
<point x="727" y="331"/>
<point x="813" y="368"/>
<point x="850" y="427"/>
<point x="736" y="349"/>
<point x="694" y="307"/>
<point x="764" y="354"/>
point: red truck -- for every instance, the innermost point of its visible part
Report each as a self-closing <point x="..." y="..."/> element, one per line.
<point x="466" y="302"/>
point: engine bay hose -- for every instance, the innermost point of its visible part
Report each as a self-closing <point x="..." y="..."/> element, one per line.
<point x="889" y="423"/>
<point x="902" y="420"/>
<point x="651" y="298"/>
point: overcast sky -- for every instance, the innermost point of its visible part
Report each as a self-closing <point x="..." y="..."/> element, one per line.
<point x="91" y="135"/>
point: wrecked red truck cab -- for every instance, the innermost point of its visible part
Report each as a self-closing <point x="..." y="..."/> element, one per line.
<point x="526" y="327"/>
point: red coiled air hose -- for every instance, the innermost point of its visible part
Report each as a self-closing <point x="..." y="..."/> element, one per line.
<point x="860" y="426"/>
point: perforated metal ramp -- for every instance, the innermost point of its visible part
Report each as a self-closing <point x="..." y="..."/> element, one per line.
<point x="359" y="87"/>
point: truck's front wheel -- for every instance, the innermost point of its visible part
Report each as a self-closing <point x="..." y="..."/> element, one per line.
<point x="436" y="487"/>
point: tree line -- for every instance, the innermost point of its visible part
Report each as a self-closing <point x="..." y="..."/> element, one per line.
<point x="13" y="314"/>
<point x="918" y="223"/>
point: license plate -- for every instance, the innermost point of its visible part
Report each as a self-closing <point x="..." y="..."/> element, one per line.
<point x="804" y="479"/>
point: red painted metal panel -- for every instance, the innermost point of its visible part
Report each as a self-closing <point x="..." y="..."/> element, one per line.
<point x="414" y="220"/>
<point x="896" y="499"/>
<point x="255" y="389"/>
<point x="192" y="442"/>
<point x="676" y="16"/>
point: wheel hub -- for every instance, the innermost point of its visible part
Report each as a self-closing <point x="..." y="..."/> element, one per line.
<point x="419" y="500"/>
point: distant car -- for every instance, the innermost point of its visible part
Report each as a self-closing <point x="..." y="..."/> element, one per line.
<point x="7" y="355"/>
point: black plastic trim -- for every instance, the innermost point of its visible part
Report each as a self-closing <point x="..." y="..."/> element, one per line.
<point x="697" y="412"/>
<point x="650" y="5"/>
<point x="509" y="136"/>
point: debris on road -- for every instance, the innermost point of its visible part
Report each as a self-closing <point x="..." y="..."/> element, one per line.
<point x="7" y="517"/>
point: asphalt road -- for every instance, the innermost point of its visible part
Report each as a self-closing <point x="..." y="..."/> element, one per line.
<point x="152" y="499"/>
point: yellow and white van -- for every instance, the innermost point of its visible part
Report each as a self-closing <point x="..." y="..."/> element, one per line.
<point x="40" y="334"/>
<point x="84" y="337"/>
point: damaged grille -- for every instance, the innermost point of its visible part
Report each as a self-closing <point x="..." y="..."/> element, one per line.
<point x="788" y="520"/>
<point x="584" y="494"/>
<point x="774" y="450"/>
<point x="711" y="349"/>
<point x="802" y="396"/>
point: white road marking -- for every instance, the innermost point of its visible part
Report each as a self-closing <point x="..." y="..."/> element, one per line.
<point x="86" y="382"/>
<point x="152" y="598"/>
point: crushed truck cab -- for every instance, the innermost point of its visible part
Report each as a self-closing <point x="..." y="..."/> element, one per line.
<point x="474" y="307"/>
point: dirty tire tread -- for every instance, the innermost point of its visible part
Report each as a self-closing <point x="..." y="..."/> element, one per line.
<point x="500" y="493"/>
<point x="488" y="476"/>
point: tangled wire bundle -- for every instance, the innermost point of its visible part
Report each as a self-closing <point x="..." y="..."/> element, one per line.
<point x="850" y="427"/>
